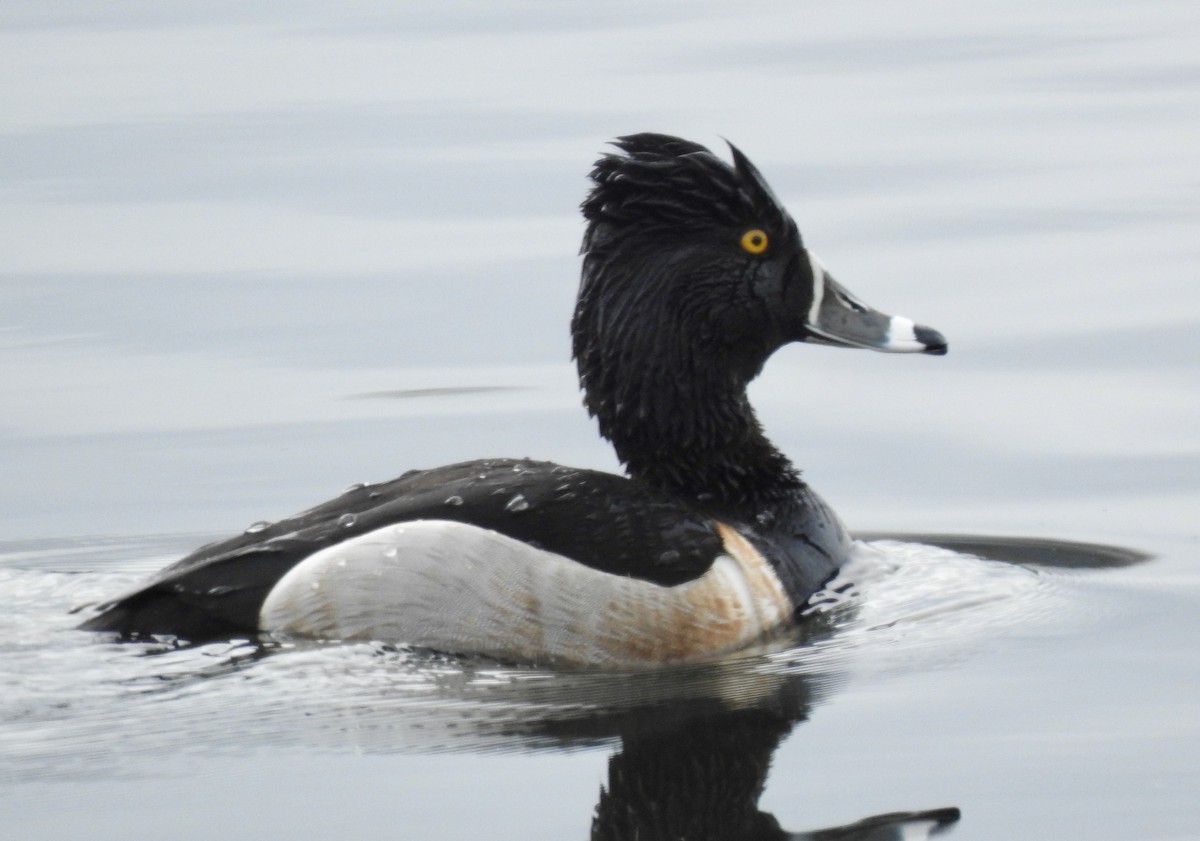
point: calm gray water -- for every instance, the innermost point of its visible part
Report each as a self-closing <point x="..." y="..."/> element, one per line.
<point x="252" y="253"/>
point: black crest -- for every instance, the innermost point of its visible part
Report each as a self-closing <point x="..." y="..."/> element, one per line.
<point x="662" y="182"/>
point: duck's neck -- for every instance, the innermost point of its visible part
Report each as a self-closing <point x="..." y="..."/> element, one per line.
<point x="699" y="441"/>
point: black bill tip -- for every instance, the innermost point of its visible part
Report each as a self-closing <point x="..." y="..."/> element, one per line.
<point x="935" y="342"/>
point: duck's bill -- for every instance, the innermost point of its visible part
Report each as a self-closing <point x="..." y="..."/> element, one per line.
<point x="838" y="318"/>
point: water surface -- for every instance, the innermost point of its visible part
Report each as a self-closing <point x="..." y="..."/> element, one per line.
<point x="254" y="253"/>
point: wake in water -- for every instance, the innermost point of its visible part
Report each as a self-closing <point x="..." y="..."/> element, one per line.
<point x="75" y="705"/>
<point x="898" y="605"/>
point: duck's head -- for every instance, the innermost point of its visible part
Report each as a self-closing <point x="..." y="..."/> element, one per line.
<point x="693" y="275"/>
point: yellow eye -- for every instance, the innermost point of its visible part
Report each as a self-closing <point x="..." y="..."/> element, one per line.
<point x="755" y="241"/>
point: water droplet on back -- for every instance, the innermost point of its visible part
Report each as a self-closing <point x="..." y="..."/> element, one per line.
<point x="347" y="520"/>
<point x="517" y="503"/>
<point x="454" y="500"/>
<point x="357" y="486"/>
<point x="669" y="557"/>
<point x="256" y="527"/>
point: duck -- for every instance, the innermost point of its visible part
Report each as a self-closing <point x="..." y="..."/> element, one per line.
<point x="693" y="275"/>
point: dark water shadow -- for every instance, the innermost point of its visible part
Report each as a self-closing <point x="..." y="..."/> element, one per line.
<point x="441" y="391"/>
<point x="1032" y="551"/>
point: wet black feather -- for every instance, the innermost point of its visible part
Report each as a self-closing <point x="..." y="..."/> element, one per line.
<point x="601" y="520"/>
<point x="674" y="318"/>
<point x="672" y="322"/>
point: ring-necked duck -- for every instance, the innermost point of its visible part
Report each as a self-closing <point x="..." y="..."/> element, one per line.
<point x="693" y="275"/>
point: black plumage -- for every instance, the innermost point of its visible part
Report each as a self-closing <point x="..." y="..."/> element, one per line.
<point x="674" y="318"/>
<point x="693" y="275"/>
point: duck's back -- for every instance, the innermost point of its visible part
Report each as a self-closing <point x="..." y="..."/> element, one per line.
<point x="607" y="523"/>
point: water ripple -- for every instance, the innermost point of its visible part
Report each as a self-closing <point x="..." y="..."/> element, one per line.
<point x="74" y="702"/>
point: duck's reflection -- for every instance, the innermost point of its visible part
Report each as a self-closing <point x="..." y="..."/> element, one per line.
<point x="693" y="746"/>
<point x="702" y="780"/>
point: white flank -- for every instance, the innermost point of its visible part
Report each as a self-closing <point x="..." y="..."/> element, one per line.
<point x="458" y="588"/>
